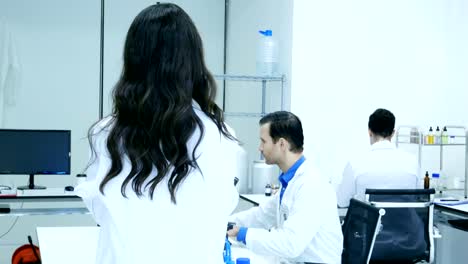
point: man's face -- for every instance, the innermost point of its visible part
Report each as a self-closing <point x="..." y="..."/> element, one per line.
<point x="270" y="150"/>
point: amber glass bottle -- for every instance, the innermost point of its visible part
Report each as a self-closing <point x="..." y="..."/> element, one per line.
<point x="426" y="180"/>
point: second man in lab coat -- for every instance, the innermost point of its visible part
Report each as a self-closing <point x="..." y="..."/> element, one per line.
<point x="382" y="167"/>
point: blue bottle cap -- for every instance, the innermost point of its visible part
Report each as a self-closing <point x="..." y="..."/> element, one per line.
<point x="435" y="175"/>
<point x="242" y="261"/>
<point x="267" y="32"/>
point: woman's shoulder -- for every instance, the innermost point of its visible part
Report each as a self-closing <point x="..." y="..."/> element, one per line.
<point x="102" y="125"/>
<point x="105" y="122"/>
<point x="100" y="131"/>
<point x="209" y="125"/>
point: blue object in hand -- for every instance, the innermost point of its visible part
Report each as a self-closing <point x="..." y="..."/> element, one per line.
<point x="227" y="252"/>
<point x="243" y="261"/>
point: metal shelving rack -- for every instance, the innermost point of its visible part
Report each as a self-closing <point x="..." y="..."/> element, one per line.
<point x="419" y="139"/>
<point x="252" y="78"/>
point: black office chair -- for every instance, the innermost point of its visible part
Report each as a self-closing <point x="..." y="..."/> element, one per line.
<point x="360" y="227"/>
<point x="407" y="228"/>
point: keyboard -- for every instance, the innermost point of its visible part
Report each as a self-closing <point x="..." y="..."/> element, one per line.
<point x="45" y="192"/>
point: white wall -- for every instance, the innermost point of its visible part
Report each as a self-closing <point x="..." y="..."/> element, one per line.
<point x="350" y="58"/>
<point x="208" y="16"/>
<point x="58" y="52"/>
<point x="245" y="19"/>
<point x="58" y="47"/>
<point x="57" y="44"/>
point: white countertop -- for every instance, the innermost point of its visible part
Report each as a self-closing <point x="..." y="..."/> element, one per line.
<point x="255" y="198"/>
<point x="60" y="243"/>
<point x="55" y="247"/>
<point x="238" y="250"/>
<point x="452" y="204"/>
<point x="260" y="198"/>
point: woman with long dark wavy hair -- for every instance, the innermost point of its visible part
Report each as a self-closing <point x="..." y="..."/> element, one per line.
<point x="160" y="178"/>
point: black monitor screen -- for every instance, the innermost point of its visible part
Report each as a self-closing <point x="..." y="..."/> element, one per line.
<point x="34" y="151"/>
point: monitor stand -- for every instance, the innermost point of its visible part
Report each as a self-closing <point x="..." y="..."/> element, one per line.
<point x="31" y="185"/>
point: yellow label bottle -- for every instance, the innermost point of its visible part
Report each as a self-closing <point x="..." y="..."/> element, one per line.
<point x="430" y="137"/>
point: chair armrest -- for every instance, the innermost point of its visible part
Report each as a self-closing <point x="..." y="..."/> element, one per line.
<point x="401" y="205"/>
<point x="436" y="233"/>
<point x="400" y="191"/>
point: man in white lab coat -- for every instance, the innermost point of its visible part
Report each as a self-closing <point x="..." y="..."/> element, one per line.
<point x="382" y="167"/>
<point x="385" y="167"/>
<point x="299" y="224"/>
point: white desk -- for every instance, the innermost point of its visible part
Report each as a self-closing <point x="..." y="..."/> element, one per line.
<point x="459" y="210"/>
<point x="59" y="243"/>
<point x="257" y="199"/>
<point x="241" y="252"/>
<point x="71" y="245"/>
<point x="55" y="195"/>
<point x="451" y="248"/>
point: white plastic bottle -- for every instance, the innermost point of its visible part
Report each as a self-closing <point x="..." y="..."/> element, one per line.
<point x="267" y="54"/>
<point x="437" y="136"/>
<point x="268" y="189"/>
<point x="262" y="174"/>
<point x="442" y="184"/>
<point x="445" y="136"/>
<point x="435" y="182"/>
<point x="242" y="172"/>
<point x="430" y="136"/>
<point x="451" y="140"/>
<point x="80" y="178"/>
<point x="414" y="135"/>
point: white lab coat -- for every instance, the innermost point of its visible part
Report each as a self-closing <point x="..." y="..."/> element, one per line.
<point x="305" y="228"/>
<point x="9" y="70"/>
<point x="382" y="167"/>
<point x="140" y="230"/>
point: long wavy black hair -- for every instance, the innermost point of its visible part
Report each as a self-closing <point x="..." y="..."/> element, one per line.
<point x="153" y="117"/>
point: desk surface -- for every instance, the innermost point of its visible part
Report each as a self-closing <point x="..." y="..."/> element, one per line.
<point x="257" y="199"/>
<point x="461" y="210"/>
<point x="55" y="195"/>
<point x="59" y="243"/>
<point x="241" y="252"/>
<point x="46" y="195"/>
<point x="34" y="199"/>
<point x="56" y="246"/>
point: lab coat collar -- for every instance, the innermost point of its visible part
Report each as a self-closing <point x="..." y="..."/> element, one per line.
<point x="196" y="105"/>
<point x="384" y="144"/>
<point x="286" y="177"/>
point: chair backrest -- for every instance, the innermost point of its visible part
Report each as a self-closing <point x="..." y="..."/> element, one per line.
<point x="360" y="228"/>
<point x="407" y="227"/>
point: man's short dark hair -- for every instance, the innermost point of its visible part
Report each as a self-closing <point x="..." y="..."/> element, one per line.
<point x="382" y="122"/>
<point x="285" y="125"/>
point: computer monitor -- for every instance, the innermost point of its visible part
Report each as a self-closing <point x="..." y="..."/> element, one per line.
<point x="25" y="151"/>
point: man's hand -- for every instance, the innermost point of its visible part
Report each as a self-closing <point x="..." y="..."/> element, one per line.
<point x="233" y="232"/>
